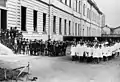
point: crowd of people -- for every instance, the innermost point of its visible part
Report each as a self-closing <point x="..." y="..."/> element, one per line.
<point x="8" y="37"/>
<point x="95" y="52"/>
<point x="13" y="39"/>
<point x="83" y="50"/>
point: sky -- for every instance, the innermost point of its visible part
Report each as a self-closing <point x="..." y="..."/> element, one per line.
<point x="111" y="9"/>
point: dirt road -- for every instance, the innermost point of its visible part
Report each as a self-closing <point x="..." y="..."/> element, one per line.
<point x="62" y="69"/>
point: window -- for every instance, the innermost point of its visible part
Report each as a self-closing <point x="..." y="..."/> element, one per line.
<point x="23" y="18"/>
<point x="35" y="20"/>
<point x="76" y="5"/>
<point x="70" y="3"/>
<point x="44" y="22"/>
<point x="60" y="25"/>
<point x="65" y="2"/>
<point x="69" y="27"/>
<point x="76" y="29"/>
<point x="73" y="28"/>
<point x="79" y="6"/>
<point x="80" y="30"/>
<point x="65" y="26"/>
<point x="88" y="13"/>
<point x="54" y="24"/>
<point x="84" y="9"/>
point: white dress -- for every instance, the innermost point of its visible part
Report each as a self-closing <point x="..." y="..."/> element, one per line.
<point x="100" y="53"/>
<point x="77" y="49"/>
<point x="72" y="50"/>
<point x="81" y="50"/>
<point x="95" y="53"/>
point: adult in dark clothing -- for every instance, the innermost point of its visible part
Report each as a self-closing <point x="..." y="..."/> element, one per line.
<point x="23" y="45"/>
<point x="35" y="47"/>
<point x="42" y="47"/>
<point x="19" y="43"/>
<point x="56" y="49"/>
<point x="46" y="48"/>
<point x="14" y="32"/>
<point x="31" y="47"/>
<point x="38" y="47"/>
<point x="27" y="47"/>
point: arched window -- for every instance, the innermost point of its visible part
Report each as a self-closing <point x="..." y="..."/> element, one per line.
<point x="76" y="5"/>
<point x="65" y="2"/>
<point x="84" y="9"/>
<point x="79" y="6"/>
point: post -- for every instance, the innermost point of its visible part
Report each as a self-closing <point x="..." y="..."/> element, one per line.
<point x="27" y="78"/>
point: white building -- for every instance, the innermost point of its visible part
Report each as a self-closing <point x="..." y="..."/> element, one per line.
<point x="43" y="19"/>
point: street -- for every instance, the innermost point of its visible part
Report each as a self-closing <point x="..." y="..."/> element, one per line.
<point x="62" y="69"/>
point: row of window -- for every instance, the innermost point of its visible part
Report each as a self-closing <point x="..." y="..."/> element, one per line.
<point x="35" y="22"/>
<point x="93" y="16"/>
<point x="71" y="30"/>
<point x="77" y="7"/>
<point x="66" y="2"/>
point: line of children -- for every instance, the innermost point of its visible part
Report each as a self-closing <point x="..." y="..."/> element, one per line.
<point x="94" y="52"/>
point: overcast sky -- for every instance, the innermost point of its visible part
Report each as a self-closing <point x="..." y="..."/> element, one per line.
<point x="111" y="8"/>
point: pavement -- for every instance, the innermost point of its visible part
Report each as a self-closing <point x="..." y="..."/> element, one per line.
<point x="62" y="69"/>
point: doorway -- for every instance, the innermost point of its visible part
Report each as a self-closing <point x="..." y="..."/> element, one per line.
<point x="3" y="19"/>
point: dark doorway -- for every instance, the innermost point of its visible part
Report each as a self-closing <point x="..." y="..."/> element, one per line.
<point x="3" y="19"/>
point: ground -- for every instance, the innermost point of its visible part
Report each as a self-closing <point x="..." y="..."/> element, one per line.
<point x="62" y="69"/>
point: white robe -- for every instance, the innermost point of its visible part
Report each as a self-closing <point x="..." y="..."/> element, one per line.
<point x="95" y="53"/>
<point x="72" y="50"/>
<point x="81" y="50"/>
<point x="78" y="49"/>
<point x="100" y="53"/>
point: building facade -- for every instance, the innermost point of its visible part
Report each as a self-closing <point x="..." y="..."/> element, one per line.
<point x="54" y="19"/>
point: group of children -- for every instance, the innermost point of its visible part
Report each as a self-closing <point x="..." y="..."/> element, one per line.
<point x="94" y="52"/>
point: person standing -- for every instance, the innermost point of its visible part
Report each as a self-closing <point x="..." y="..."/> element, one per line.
<point x="73" y="52"/>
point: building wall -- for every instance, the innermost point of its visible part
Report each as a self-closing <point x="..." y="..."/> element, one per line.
<point x="66" y="13"/>
<point x="87" y="26"/>
<point x="91" y="20"/>
<point x="14" y="17"/>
